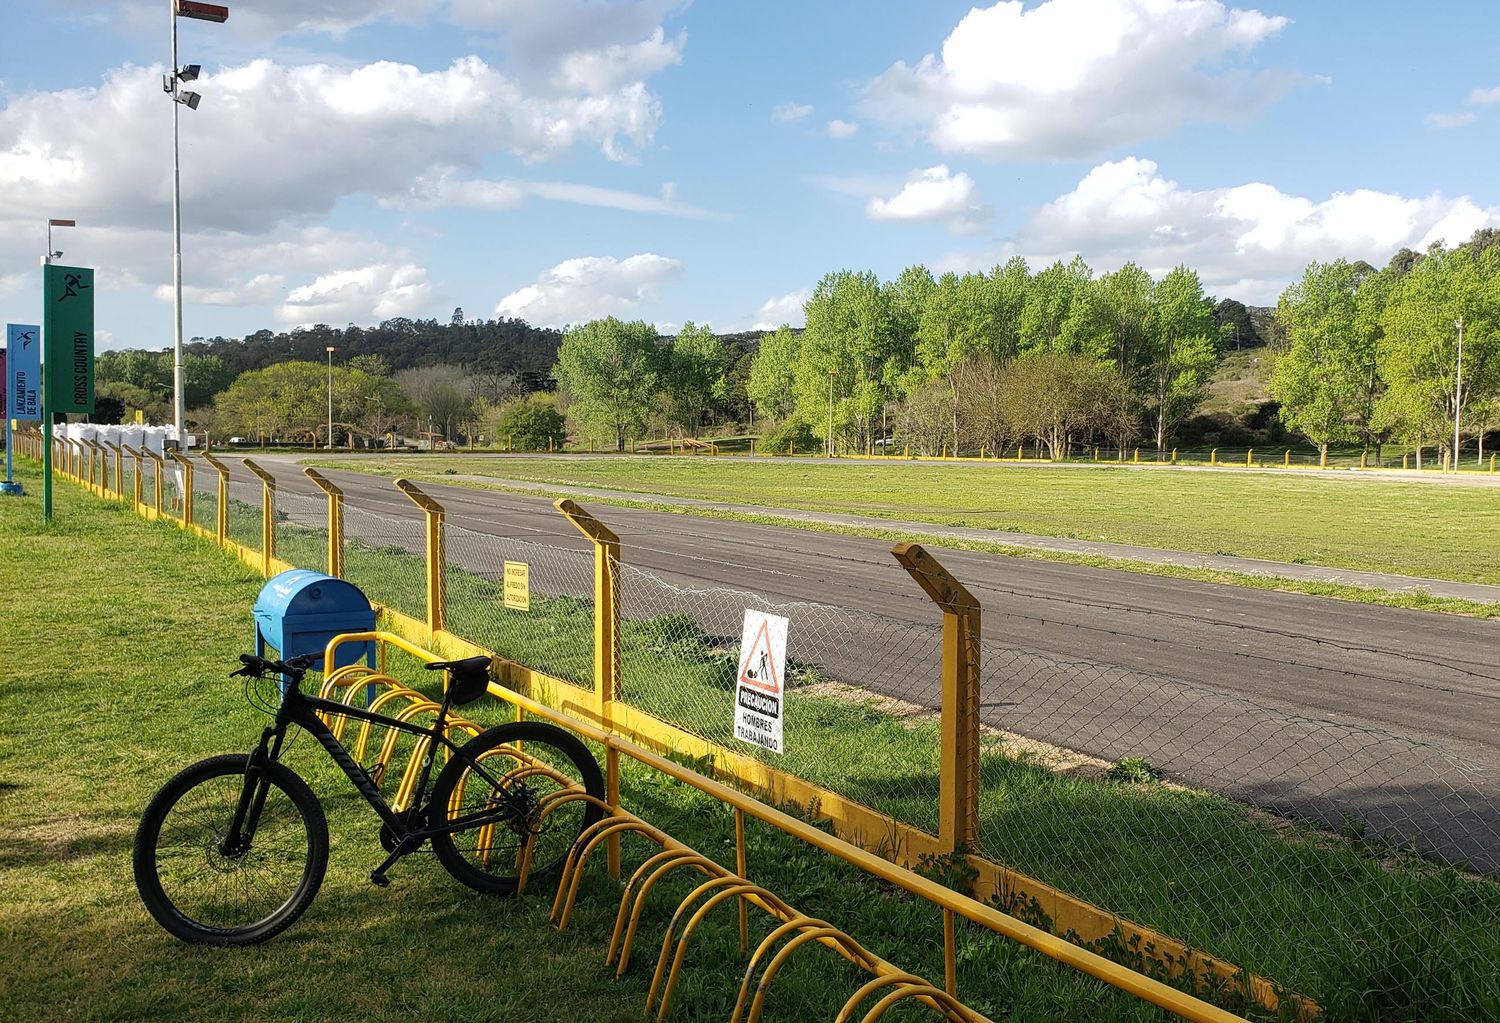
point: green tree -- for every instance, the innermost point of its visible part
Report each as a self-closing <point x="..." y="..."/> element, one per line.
<point x="532" y="423"/>
<point x="846" y="352"/>
<point x="1181" y="352"/>
<point x="610" y="372"/>
<point x="773" y="374"/>
<point x="1426" y="397"/>
<point x="1319" y="378"/>
<point x="696" y="374"/>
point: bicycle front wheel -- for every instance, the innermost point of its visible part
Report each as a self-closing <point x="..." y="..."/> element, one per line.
<point x="534" y="777"/>
<point x="207" y="894"/>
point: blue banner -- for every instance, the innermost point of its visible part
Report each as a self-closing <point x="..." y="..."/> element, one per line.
<point x="23" y="371"/>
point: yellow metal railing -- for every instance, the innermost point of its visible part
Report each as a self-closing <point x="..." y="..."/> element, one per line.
<point x="600" y="713"/>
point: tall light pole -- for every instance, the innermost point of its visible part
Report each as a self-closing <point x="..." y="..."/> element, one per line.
<point x="51" y="255"/>
<point x="831" y="374"/>
<point x="1458" y="393"/>
<point x="330" y="397"/>
<point x="170" y="82"/>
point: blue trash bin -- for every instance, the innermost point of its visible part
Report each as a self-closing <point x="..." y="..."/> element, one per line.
<point x="299" y="611"/>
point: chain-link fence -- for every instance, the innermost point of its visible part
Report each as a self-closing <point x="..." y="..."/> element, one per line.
<point x="1344" y="861"/>
<point x="386" y="557"/>
<point x="206" y="497"/>
<point x="301" y="526"/>
<point x="860" y="689"/>
<point x="553" y="632"/>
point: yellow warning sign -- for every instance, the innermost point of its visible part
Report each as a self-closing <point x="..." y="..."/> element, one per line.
<point x="517" y="585"/>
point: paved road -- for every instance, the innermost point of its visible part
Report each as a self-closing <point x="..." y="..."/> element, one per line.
<point x="1314" y="705"/>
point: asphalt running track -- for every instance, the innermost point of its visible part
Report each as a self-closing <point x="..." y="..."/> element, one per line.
<point x="1310" y="705"/>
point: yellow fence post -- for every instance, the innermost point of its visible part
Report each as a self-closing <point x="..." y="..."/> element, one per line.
<point x="958" y="798"/>
<point x="1288" y="460"/>
<point x="1213" y="457"/>
<point x="221" y="518"/>
<point x="1250" y="457"/>
<point x="1174" y="456"/>
<point x="1137" y="456"/>
<point x="335" y="521"/>
<point x="1492" y="463"/>
<point x="1364" y="459"/>
<point x="187" y="487"/>
<point x="606" y="642"/>
<point x="267" y="515"/>
<point x="436" y="617"/>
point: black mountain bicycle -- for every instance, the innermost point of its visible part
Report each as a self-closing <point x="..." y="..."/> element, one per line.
<point x="233" y="849"/>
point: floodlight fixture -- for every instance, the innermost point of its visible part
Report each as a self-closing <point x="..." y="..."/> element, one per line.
<point x="189" y="99"/>
<point x="189" y="72"/>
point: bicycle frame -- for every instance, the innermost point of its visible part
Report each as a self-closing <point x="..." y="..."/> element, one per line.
<point x="299" y="709"/>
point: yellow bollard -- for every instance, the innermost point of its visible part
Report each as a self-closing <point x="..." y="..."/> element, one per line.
<point x="945" y="451"/>
<point x="1364" y="459"/>
<point x="1020" y="453"/>
<point x="981" y="452"/>
<point x="1405" y="460"/>
<point x="1492" y="463"/>
<point x="1137" y="456"/>
<point x="1288" y="459"/>
<point x="1250" y="457"/>
<point x="1174" y="456"/>
<point x="1096" y="454"/>
<point x="1213" y="457"/>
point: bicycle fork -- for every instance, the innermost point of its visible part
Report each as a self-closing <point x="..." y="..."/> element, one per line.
<point x="236" y="841"/>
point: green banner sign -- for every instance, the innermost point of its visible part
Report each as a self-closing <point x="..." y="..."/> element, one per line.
<point x="68" y="327"/>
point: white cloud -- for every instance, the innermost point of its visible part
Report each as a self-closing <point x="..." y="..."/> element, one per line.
<point x="1449" y="120"/>
<point x="934" y="194"/>
<point x="785" y="309"/>
<point x="1069" y="78"/>
<point x="1485" y="96"/>
<point x="588" y="287"/>
<point x="838" y="129"/>
<point x="1247" y="241"/>
<point x="620" y="63"/>
<point x="262" y="289"/>
<point x="272" y="142"/>
<point x="444" y="189"/>
<point x="371" y="292"/>
<point x="788" y="112"/>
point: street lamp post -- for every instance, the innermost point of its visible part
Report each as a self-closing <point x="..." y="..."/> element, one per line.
<point x="330" y="397"/>
<point x="831" y="374"/>
<point x="170" y="85"/>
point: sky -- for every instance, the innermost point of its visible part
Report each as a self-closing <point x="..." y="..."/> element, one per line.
<point x="561" y="160"/>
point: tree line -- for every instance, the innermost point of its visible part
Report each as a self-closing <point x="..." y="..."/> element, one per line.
<point x="1408" y="354"/>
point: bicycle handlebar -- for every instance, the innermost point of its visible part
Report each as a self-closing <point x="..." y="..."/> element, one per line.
<point x="259" y="667"/>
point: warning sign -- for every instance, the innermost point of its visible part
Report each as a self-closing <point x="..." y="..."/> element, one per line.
<point x="759" y="689"/>
<point x="517" y="585"/>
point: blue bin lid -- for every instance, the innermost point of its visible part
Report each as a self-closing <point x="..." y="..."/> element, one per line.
<point x="301" y="591"/>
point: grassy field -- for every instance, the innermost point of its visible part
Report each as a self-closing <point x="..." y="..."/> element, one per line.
<point x="118" y="637"/>
<point x="1315" y="911"/>
<point x="1375" y="525"/>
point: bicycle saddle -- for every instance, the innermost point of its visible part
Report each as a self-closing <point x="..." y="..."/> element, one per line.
<point x="468" y="678"/>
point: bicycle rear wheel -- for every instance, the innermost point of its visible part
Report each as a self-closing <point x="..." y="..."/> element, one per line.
<point x="533" y="764"/>
<point x="206" y="895"/>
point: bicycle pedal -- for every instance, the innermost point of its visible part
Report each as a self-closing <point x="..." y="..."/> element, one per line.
<point x="379" y="880"/>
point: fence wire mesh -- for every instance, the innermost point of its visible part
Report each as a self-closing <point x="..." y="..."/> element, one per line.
<point x="860" y="688"/>
<point x="244" y="510"/>
<point x="206" y="497"/>
<point x="386" y="557"/>
<point x="555" y="633"/>
<point x="301" y="530"/>
<point x="1342" y="860"/>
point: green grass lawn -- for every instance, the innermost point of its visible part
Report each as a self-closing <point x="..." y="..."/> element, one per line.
<point x="1442" y="532"/>
<point x="1369" y="935"/>
<point x="118" y="636"/>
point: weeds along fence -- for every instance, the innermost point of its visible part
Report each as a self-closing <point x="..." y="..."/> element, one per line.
<point x="1273" y="862"/>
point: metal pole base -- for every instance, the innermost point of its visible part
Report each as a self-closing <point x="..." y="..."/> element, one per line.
<point x="11" y="489"/>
